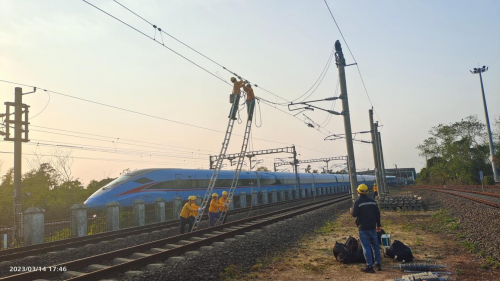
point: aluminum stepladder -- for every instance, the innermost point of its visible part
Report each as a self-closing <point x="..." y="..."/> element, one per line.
<point x="237" y="172"/>
<point x="218" y="165"/>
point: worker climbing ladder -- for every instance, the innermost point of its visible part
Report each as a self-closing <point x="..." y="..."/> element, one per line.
<point x="218" y="164"/>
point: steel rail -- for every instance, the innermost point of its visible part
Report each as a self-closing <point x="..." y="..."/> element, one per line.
<point x="482" y="201"/>
<point x="16" y="253"/>
<point x="80" y="263"/>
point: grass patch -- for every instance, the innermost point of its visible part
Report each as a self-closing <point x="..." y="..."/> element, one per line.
<point x="459" y="272"/>
<point x="313" y="268"/>
<point x="329" y="226"/>
<point x="231" y="273"/>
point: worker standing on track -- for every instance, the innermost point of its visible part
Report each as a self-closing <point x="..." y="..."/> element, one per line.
<point x="188" y="214"/>
<point x="224" y="201"/>
<point x="367" y="215"/>
<point x="250" y="100"/>
<point x="375" y="191"/>
<point x="237" y="84"/>
<point x="213" y="210"/>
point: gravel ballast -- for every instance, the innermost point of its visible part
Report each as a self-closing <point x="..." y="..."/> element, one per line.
<point x="479" y="222"/>
<point x="243" y="253"/>
<point x="58" y="257"/>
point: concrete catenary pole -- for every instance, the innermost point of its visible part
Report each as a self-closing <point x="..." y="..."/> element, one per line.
<point x="18" y="116"/>
<point x="382" y="162"/>
<point x="492" y="148"/>
<point x="375" y="152"/>
<point x="347" y="120"/>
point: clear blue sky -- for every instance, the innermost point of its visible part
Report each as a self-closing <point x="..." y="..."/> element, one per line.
<point x="415" y="58"/>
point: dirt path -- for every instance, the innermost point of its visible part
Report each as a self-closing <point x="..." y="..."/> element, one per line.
<point x="423" y="231"/>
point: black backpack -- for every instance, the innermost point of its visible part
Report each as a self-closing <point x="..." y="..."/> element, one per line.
<point x="399" y="251"/>
<point x="342" y="253"/>
<point x="352" y="244"/>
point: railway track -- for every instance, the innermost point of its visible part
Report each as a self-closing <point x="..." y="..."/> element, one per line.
<point x="21" y="252"/>
<point x="94" y="268"/>
<point x="490" y="199"/>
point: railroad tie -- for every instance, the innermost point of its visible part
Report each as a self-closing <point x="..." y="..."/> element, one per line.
<point x="96" y="267"/>
<point x="71" y="274"/>
<point x="120" y="260"/>
<point x="139" y="255"/>
<point x="132" y="273"/>
<point x="153" y="266"/>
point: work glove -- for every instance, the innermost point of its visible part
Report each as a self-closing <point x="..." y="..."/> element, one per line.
<point x="200" y="209"/>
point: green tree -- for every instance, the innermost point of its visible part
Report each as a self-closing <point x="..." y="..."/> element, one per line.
<point x="455" y="153"/>
<point x="46" y="189"/>
<point x="262" y="168"/>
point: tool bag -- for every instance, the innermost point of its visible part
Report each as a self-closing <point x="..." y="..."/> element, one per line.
<point x="399" y="251"/>
<point x="342" y="253"/>
<point x="350" y="252"/>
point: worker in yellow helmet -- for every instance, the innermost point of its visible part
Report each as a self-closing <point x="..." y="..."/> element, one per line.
<point x="367" y="215"/>
<point x="188" y="213"/>
<point x="375" y="190"/>
<point x="224" y="202"/>
<point x="213" y="210"/>
<point x="237" y="84"/>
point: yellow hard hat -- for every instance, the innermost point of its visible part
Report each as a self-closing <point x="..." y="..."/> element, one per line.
<point x="362" y="189"/>
<point x="192" y="198"/>
<point x="224" y="193"/>
<point x="215" y="195"/>
<point x="233" y="79"/>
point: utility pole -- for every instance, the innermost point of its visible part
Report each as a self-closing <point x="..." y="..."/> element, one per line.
<point x="18" y="123"/>
<point x="492" y="149"/>
<point x="375" y="152"/>
<point x="397" y="174"/>
<point x="340" y="60"/>
<point x="382" y="163"/>
<point x="295" y="168"/>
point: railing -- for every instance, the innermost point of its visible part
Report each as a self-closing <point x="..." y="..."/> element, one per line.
<point x="96" y="222"/>
<point x="57" y="230"/>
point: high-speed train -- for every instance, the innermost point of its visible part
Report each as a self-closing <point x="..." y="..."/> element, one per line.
<point x="150" y="184"/>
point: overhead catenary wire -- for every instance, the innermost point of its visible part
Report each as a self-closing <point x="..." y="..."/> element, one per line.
<point x="177" y="53"/>
<point x="87" y="158"/>
<point x="112" y="150"/>
<point x="357" y="65"/>
<point x="218" y="64"/>
<point x="189" y="161"/>
<point x="43" y="107"/>
<point x="118" y="138"/>
<point x="137" y="112"/>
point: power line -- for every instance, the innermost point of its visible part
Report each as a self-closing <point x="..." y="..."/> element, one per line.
<point x="357" y="65"/>
<point x="85" y="158"/>
<point x="136" y="112"/>
<point x="112" y="150"/>
<point x="119" y="139"/>
<point x="214" y="75"/>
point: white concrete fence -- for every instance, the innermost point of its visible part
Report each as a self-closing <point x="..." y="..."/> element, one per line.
<point x="33" y="218"/>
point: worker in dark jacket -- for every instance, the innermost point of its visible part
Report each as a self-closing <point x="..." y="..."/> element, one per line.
<point x="367" y="215"/>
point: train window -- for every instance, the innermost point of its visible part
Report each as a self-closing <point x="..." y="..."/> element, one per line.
<point x="116" y="182"/>
<point x="143" y="180"/>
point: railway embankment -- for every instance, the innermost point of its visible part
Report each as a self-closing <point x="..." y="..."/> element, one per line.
<point x="451" y="232"/>
<point x="236" y="259"/>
